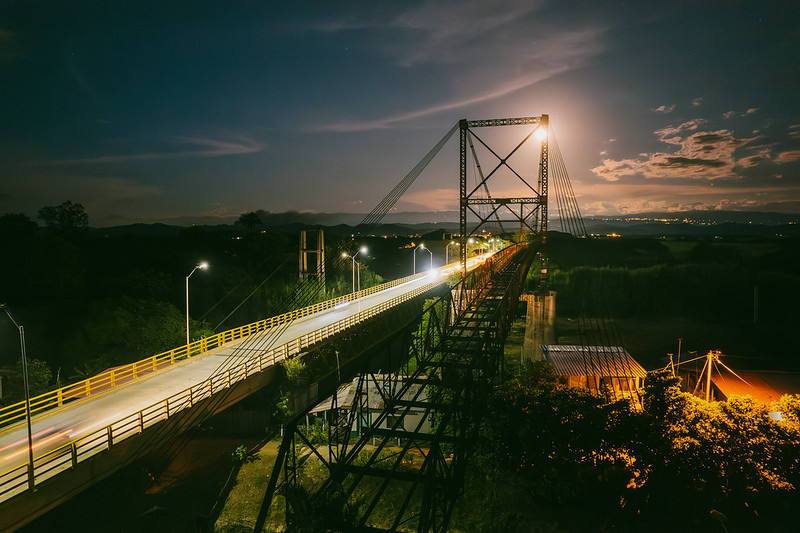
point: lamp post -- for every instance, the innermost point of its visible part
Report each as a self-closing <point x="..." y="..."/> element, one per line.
<point x="361" y="250"/>
<point x="421" y="246"/>
<point x="447" y="251"/>
<point x="31" y="480"/>
<point x="201" y="266"/>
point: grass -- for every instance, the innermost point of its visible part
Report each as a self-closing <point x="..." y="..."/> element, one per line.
<point x="244" y="501"/>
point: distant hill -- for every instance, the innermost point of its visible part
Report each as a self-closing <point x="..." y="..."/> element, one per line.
<point x="688" y="223"/>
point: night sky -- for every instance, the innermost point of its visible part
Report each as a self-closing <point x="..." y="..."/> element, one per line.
<point x="170" y="111"/>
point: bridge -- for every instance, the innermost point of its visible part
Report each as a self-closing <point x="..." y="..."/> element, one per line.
<point x="59" y="443"/>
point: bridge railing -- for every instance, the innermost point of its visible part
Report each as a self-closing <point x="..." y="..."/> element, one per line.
<point x="67" y="456"/>
<point x="127" y="373"/>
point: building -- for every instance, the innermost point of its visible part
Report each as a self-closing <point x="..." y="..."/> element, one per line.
<point x="597" y="368"/>
<point x="372" y="402"/>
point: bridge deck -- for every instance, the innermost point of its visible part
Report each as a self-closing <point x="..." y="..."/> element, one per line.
<point x="62" y="432"/>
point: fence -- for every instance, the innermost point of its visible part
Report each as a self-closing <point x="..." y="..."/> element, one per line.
<point x="130" y="372"/>
<point x="67" y="456"/>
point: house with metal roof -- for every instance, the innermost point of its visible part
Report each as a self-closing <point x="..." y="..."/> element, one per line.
<point x="597" y="368"/>
<point x="369" y="398"/>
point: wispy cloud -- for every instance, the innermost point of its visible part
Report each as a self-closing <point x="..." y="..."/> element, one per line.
<point x="99" y="194"/>
<point x="665" y="108"/>
<point x="191" y="147"/>
<point x="431" y="200"/>
<point x="788" y="157"/>
<point x="480" y="53"/>
<point x="392" y="121"/>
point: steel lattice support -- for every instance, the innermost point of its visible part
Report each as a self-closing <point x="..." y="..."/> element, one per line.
<point x="450" y="363"/>
<point x="532" y="208"/>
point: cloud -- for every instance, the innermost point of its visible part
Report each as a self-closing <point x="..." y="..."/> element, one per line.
<point x="738" y="114"/>
<point x="391" y="121"/>
<point x="697" y="102"/>
<point x="764" y="154"/>
<point x="203" y="147"/>
<point x="698" y="154"/>
<point x="788" y="157"/>
<point x="481" y="53"/>
<point x="99" y="194"/>
<point x="432" y="200"/>
<point x="665" y="109"/>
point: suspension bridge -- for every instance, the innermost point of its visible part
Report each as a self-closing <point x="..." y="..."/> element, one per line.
<point x="423" y="332"/>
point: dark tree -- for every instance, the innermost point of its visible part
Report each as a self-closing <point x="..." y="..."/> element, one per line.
<point x="250" y="220"/>
<point x="67" y="218"/>
<point x="16" y="225"/>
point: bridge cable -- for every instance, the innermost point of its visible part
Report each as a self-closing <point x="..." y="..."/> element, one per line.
<point x="309" y="291"/>
<point x="566" y="195"/>
<point x="374" y="217"/>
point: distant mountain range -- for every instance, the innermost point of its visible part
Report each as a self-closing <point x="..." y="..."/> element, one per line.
<point x="682" y="223"/>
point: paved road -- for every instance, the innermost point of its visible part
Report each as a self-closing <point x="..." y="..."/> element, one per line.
<point x="74" y="420"/>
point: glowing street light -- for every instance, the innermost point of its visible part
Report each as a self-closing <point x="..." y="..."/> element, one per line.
<point x="361" y="250"/>
<point x="421" y="247"/>
<point x="27" y="395"/>
<point x="201" y="266"/>
<point x="469" y="241"/>
<point x="447" y="251"/>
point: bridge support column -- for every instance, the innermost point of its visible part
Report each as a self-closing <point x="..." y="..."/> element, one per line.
<point x="540" y="324"/>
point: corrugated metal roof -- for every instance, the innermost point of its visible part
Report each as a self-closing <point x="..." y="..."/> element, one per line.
<point x="602" y="361"/>
<point x="764" y="386"/>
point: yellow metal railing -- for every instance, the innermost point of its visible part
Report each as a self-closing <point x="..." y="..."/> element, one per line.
<point x="130" y="372"/>
<point x="67" y="456"/>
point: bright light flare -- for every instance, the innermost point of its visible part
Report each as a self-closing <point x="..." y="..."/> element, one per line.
<point x="541" y="133"/>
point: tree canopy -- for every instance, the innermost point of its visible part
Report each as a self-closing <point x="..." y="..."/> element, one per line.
<point x="67" y="218"/>
<point x="681" y="463"/>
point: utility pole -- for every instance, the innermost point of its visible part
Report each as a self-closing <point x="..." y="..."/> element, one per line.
<point x="709" y="357"/>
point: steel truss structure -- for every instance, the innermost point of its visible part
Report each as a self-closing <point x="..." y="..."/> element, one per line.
<point x="393" y="476"/>
<point x="529" y="212"/>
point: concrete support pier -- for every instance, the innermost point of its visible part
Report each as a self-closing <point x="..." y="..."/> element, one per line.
<point x="540" y="324"/>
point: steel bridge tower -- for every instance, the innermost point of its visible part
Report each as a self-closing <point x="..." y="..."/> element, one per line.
<point x="529" y="211"/>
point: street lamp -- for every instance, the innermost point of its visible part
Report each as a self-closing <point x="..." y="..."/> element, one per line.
<point x="422" y="247"/>
<point x="27" y="394"/>
<point x="447" y="251"/>
<point x="201" y="266"/>
<point x="361" y="250"/>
